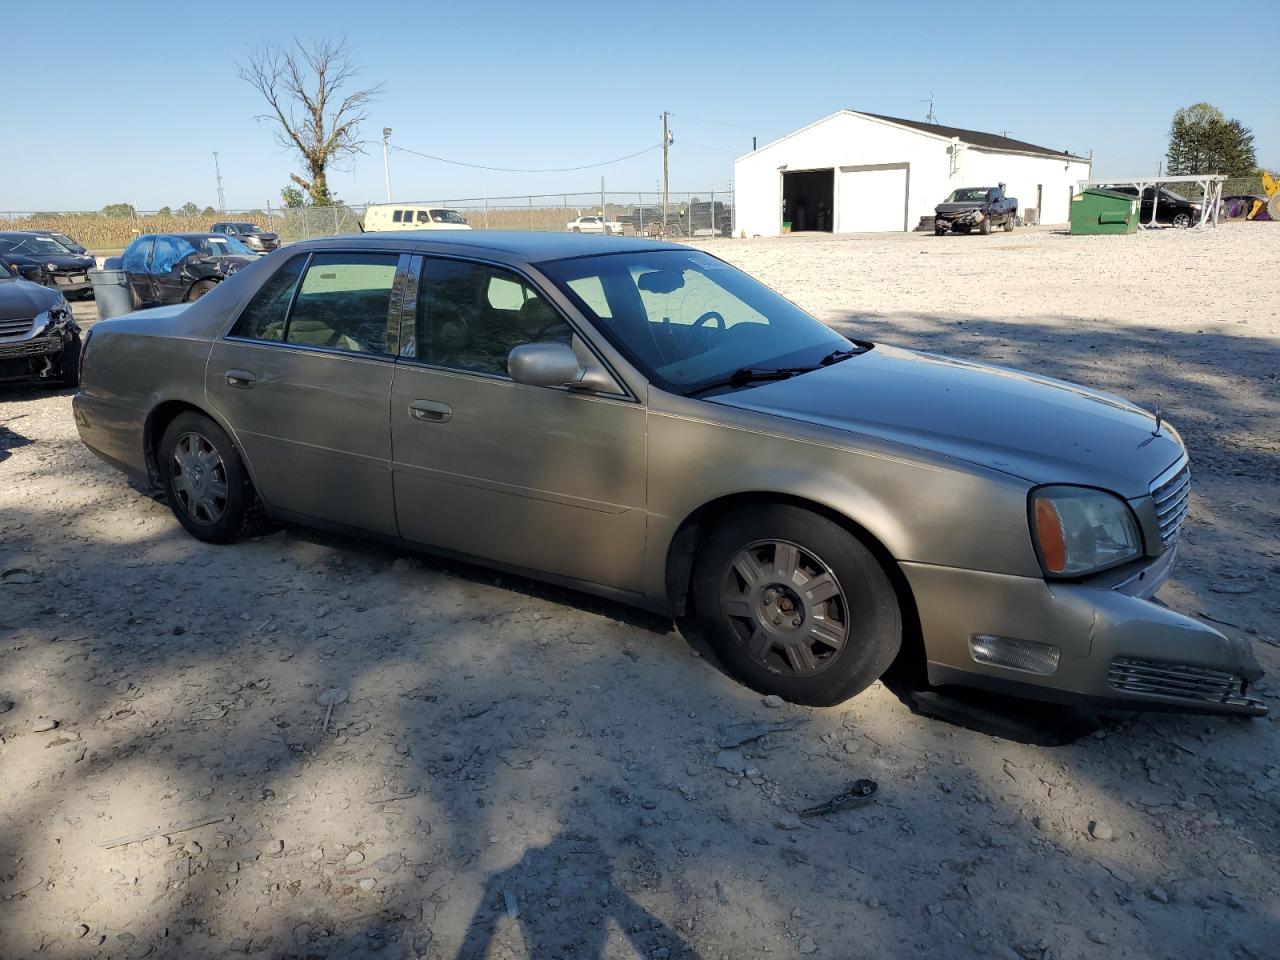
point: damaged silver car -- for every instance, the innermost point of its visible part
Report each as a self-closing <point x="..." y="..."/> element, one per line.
<point x="644" y="421"/>
<point x="39" y="337"/>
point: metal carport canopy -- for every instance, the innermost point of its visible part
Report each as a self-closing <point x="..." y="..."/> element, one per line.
<point x="1210" y="183"/>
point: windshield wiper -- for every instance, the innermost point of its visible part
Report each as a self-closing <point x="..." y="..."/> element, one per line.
<point x="747" y="375"/>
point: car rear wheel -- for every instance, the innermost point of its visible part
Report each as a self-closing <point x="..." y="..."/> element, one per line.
<point x="199" y="289"/>
<point x="205" y="480"/>
<point x="1008" y="225"/>
<point x="794" y="605"/>
<point x="1182" y="220"/>
<point x="577" y="229"/>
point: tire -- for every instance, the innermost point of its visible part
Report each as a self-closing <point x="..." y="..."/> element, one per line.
<point x="939" y="231"/>
<point x="199" y="289"/>
<point x="850" y="622"/>
<point x="984" y="227"/>
<point x="69" y="363"/>
<point x="1181" y="220"/>
<point x="217" y="504"/>
<point x="577" y="229"/>
<point x="1008" y="224"/>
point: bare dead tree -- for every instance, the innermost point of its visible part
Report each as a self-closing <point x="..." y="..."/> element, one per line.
<point x="303" y="86"/>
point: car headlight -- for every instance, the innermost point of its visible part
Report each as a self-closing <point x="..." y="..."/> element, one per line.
<point x="1078" y="530"/>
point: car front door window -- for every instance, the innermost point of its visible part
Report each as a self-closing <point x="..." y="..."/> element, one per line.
<point x="470" y="316"/>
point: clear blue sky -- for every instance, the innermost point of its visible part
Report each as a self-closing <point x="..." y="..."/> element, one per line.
<point x="126" y="103"/>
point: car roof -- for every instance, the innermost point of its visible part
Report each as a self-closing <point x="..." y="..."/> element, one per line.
<point x="530" y="246"/>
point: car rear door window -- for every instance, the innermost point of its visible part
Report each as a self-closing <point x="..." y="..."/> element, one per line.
<point x="264" y="317"/>
<point x="343" y="302"/>
<point x="471" y="315"/>
<point x="137" y="256"/>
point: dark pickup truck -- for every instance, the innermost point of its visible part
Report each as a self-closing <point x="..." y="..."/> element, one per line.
<point x="970" y="207"/>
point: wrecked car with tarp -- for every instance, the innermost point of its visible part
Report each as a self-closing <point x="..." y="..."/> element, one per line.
<point x="179" y="267"/>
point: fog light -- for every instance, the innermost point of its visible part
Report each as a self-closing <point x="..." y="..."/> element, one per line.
<point x="1025" y="655"/>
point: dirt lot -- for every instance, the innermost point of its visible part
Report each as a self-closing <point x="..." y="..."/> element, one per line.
<point x="526" y="772"/>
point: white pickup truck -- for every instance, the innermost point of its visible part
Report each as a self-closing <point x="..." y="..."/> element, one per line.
<point x="594" y="225"/>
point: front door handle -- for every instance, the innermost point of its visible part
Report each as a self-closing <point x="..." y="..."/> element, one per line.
<point x="241" y="378"/>
<point x="430" y="411"/>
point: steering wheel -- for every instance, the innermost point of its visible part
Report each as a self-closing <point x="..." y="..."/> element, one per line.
<point x="708" y="316"/>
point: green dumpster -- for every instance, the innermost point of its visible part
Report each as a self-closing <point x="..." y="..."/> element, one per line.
<point x="1095" y="211"/>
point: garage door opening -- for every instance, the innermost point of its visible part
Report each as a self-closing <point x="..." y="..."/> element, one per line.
<point x="807" y="200"/>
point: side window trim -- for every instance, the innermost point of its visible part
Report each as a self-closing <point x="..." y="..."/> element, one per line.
<point x="230" y="334"/>
<point x="408" y="342"/>
<point x="293" y="298"/>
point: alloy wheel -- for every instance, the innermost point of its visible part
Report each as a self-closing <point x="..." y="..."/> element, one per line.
<point x="199" y="478"/>
<point x="785" y="607"/>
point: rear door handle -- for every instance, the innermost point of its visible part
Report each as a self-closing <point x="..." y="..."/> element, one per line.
<point x="430" y="411"/>
<point x="241" y="378"/>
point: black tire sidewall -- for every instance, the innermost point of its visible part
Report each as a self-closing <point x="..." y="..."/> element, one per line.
<point x="875" y="629"/>
<point x="69" y="362"/>
<point x="239" y="490"/>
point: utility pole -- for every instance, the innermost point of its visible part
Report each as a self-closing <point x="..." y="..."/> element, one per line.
<point x="222" y="200"/>
<point x="604" y="219"/>
<point x="386" y="160"/>
<point x="666" y="177"/>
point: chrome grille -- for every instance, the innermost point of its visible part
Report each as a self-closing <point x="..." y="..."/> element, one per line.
<point x="16" y="328"/>
<point x="1172" y="498"/>
<point x="1176" y="680"/>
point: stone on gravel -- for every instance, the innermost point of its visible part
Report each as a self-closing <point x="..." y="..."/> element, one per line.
<point x="366" y="883"/>
<point x="1158" y="894"/>
<point x="6" y="706"/>
<point x="1100" y="830"/>
<point x="807" y="946"/>
<point x="353" y="859"/>
<point x="732" y="761"/>
<point x="273" y="848"/>
<point x="788" y="821"/>
<point x="772" y="701"/>
<point x="43" y="724"/>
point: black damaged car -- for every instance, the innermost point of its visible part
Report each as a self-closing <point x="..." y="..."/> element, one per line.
<point x="165" y="268"/>
<point x="38" y="336"/>
<point x="37" y="257"/>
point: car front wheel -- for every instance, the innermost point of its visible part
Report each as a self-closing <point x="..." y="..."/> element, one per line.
<point x="1182" y="220"/>
<point x="794" y="605"/>
<point x="205" y="480"/>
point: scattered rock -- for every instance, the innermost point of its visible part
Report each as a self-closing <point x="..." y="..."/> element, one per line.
<point x="353" y="859"/>
<point x="80" y="931"/>
<point x="807" y="946"/>
<point x="273" y="848"/>
<point x="1158" y="894"/>
<point x="1100" y="830"/>
<point x="788" y="821"/>
<point x="852" y="746"/>
<point x="316" y="855"/>
<point x="6" y="706"/>
<point x="1097" y="936"/>
<point x="366" y="883"/>
<point x="935" y="909"/>
<point x="732" y="761"/>
<point x="773" y="702"/>
<point x="43" y="724"/>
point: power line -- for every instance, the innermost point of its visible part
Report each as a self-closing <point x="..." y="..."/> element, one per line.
<point x="481" y="166"/>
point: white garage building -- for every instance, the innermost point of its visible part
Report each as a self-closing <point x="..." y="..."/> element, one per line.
<point x="853" y="172"/>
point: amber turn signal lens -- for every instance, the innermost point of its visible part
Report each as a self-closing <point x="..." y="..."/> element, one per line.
<point x="1053" y="544"/>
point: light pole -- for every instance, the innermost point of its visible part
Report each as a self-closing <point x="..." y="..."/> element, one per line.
<point x="386" y="160"/>
<point x="222" y="201"/>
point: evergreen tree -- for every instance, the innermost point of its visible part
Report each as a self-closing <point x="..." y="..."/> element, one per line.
<point x="1203" y="140"/>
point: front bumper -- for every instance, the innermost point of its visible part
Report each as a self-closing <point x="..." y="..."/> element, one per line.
<point x="1115" y="648"/>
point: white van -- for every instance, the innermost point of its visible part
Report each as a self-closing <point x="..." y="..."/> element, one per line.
<point x="399" y="216"/>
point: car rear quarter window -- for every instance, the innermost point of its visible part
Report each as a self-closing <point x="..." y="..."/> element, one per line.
<point x="264" y="317"/>
<point x="343" y="302"/>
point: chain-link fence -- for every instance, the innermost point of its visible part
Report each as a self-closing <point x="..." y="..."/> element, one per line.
<point x="700" y="214"/>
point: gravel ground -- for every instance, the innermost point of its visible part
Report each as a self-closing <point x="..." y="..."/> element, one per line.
<point x="521" y="771"/>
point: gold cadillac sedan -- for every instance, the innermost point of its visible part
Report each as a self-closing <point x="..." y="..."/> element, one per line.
<point x="642" y="420"/>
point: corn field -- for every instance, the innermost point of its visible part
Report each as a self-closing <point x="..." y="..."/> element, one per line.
<point x="99" y="232"/>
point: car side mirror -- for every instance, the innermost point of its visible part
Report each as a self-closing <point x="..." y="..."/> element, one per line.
<point x="559" y="365"/>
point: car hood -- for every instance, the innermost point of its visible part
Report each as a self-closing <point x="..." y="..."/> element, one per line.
<point x="22" y="300"/>
<point x="1036" y="428"/>
<point x="63" y="260"/>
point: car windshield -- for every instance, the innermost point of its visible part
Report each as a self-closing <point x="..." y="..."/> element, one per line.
<point x="447" y="216"/>
<point x="249" y="228"/>
<point x="36" y="245"/>
<point x="967" y="195"/>
<point x="688" y="320"/>
<point x="218" y="247"/>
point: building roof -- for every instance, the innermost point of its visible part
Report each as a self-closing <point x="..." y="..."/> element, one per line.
<point x="975" y="138"/>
